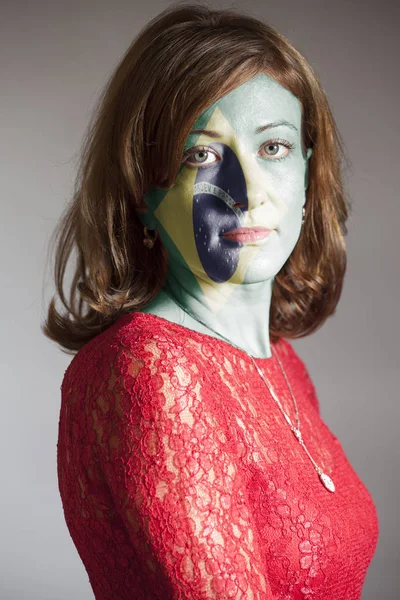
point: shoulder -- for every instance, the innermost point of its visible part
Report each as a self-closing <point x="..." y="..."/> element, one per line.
<point x="137" y="332"/>
<point x="137" y="345"/>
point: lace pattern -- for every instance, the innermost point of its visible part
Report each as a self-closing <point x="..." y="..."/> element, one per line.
<point x="181" y="479"/>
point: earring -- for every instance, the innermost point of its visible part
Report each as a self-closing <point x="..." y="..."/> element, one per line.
<point x="149" y="241"/>
<point x="304" y="213"/>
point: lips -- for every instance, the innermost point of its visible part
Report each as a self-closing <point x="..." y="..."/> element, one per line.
<point x="247" y="234"/>
<point x="248" y="229"/>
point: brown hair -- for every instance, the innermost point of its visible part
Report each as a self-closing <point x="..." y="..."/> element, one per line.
<point x="181" y="62"/>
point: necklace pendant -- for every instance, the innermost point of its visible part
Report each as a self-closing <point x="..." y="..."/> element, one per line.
<point x="327" y="481"/>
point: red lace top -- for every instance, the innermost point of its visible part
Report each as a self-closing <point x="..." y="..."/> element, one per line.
<point x="181" y="479"/>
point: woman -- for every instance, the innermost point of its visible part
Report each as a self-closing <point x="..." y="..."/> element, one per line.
<point x="209" y="218"/>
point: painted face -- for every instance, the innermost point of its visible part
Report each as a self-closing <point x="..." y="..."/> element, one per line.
<point x="245" y="168"/>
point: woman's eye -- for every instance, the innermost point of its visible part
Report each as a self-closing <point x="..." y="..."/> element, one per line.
<point x="271" y="149"/>
<point x="203" y="156"/>
<point x="200" y="157"/>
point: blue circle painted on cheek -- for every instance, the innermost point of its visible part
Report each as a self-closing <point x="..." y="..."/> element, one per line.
<point x="216" y="187"/>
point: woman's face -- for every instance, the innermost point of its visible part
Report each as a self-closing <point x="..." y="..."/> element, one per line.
<point x="244" y="168"/>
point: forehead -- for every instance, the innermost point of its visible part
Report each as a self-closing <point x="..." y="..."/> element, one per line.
<point x="256" y="102"/>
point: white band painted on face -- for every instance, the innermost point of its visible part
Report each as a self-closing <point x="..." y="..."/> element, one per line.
<point x="204" y="187"/>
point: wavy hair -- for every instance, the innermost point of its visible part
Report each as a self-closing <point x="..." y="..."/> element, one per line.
<point x="180" y="63"/>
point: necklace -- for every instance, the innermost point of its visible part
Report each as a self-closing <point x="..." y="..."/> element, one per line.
<point x="324" y="478"/>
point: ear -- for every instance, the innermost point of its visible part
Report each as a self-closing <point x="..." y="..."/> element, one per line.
<point x="308" y="154"/>
<point x="146" y="217"/>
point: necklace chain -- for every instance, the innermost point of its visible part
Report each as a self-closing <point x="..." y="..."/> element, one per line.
<point x="325" y="479"/>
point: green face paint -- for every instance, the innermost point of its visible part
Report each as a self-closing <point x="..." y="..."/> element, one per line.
<point x="244" y="169"/>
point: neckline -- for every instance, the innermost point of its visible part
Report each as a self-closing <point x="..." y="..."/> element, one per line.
<point x="197" y="334"/>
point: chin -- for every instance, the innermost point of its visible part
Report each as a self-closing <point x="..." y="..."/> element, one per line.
<point x="263" y="268"/>
<point x="257" y="272"/>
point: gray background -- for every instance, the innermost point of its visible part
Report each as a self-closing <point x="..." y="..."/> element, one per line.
<point x="55" y="58"/>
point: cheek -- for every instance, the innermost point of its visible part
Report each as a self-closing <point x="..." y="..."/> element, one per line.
<point x="182" y="191"/>
<point x="177" y="204"/>
<point x="289" y="182"/>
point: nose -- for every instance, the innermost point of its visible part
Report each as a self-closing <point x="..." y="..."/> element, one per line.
<point x="258" y="189"/>
<point x="257" y="185"/>
<point x="264" y="204"/>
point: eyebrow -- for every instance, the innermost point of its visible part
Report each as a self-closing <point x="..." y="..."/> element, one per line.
<point x="214" y="134"/>
<point x="275" y="124"/>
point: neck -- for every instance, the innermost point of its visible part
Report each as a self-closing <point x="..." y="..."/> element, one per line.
<point x="239" y="312"/>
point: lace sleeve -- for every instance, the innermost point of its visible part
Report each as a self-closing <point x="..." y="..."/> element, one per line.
<point x="174" y="481"/>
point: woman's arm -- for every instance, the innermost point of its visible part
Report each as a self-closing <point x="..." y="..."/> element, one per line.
<point x="175" y="484"/>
